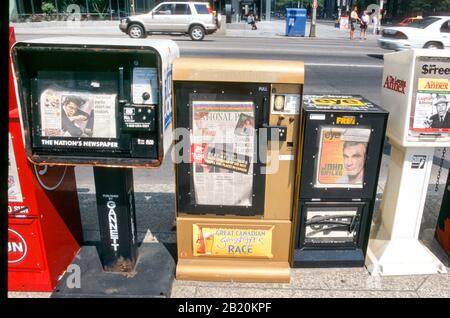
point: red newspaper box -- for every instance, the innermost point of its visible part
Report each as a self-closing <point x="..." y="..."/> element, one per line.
<point x="44" y="226"/>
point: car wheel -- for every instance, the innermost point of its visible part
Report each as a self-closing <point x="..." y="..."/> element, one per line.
<point x="433" y="45"/>
<point x="136" y="31"/>
<point x="197" y="33"/>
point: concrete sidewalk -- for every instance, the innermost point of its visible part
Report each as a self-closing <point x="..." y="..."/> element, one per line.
<point x="266" y="29"/>
<point x="277" y="28"/>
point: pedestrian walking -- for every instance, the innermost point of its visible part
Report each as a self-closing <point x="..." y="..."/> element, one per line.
<point x="354" y="18"/>
<point x="365" y="19"/>
<point x="374" y="22"/>
<point x="252" y="21"/>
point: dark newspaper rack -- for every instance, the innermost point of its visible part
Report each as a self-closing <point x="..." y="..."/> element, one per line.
<point x="342" y="146"/>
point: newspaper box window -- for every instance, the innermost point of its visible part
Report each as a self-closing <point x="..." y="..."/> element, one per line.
<point x="105" y="103"/>
<point x="221" y="174"/>
<point x="342" y="157"/>
<point x="342" y="147"/>
<point x="235" y="185"/>
<point x="221" y="165"/>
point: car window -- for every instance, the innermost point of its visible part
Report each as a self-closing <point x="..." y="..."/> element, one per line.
<point x="164" y="9"/>
<point x="201" y="8"/>
<point x="182" y="9"/>
<point x="445" y="28"/>
<point x="422" y="23"/>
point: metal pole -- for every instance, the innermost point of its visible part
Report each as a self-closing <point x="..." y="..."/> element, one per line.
<point x="87" y="9"/>
<point x="110" y="10"/>
<point x="312" y="32"/>
<point x="132" y="7"/>
<point x="380" y="16"/>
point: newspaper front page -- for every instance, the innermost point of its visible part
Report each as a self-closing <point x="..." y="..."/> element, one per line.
<point x="222" y="150"/>
<point x="67" y="113"/>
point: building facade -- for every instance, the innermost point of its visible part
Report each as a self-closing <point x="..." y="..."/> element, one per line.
<point x="232" y="10"/>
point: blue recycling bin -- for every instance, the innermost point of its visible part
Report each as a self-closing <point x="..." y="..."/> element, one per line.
<point x="295" y="22"/>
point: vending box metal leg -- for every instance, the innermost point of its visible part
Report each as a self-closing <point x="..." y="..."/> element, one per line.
<point x="117" y="218"/>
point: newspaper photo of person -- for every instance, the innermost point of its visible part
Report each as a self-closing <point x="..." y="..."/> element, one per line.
<point x="354" y="153"/>
<point x="441" y="118"/>
<point x="245" y="125"/>
<point x="74" y="121"/>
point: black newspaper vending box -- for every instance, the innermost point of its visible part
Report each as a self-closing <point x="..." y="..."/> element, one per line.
<point x="98" y="102"/>
<point x="104" y="103"/>
<point x="341" y="154"/>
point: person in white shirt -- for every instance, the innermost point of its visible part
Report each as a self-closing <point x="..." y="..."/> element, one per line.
<point x="374" y="21"/>
<point x="364" y="23"/>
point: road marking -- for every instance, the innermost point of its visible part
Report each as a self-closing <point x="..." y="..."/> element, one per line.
<point x="293" y="50"/>
<point x="345" y="65"/>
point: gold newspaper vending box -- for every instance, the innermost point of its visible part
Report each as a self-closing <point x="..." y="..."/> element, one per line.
<point x="237" y="132"/>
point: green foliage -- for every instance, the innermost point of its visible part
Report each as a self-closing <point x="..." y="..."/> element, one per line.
<point x="411" y="7"/>
<point x="443" y="5"/>
<point x="416" y="5"/>
<point x="282" y="4"/>
<point x="48" y="8"/>
<point x="99" y="6"/>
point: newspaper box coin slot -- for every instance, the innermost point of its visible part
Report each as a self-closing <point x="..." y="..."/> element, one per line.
<point x="341" y="156"/>
<point x="104" y="103"/>
<point x="415" y="89"/>
<point x="238" y="125"/>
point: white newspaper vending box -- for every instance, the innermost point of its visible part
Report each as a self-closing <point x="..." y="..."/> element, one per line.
<point x="416" y="92"/>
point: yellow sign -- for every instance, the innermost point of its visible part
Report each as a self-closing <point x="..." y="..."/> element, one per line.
<point x="337" y="102"/>
<point x="236" y="241"/>
<point x="434" y="84"/>
<point x="346" y="120"/>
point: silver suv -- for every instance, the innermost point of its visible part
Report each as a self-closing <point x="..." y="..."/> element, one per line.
<point x="193" y="18"/>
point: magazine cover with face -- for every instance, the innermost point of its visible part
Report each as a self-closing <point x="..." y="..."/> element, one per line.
<point x="341" y="157"/>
